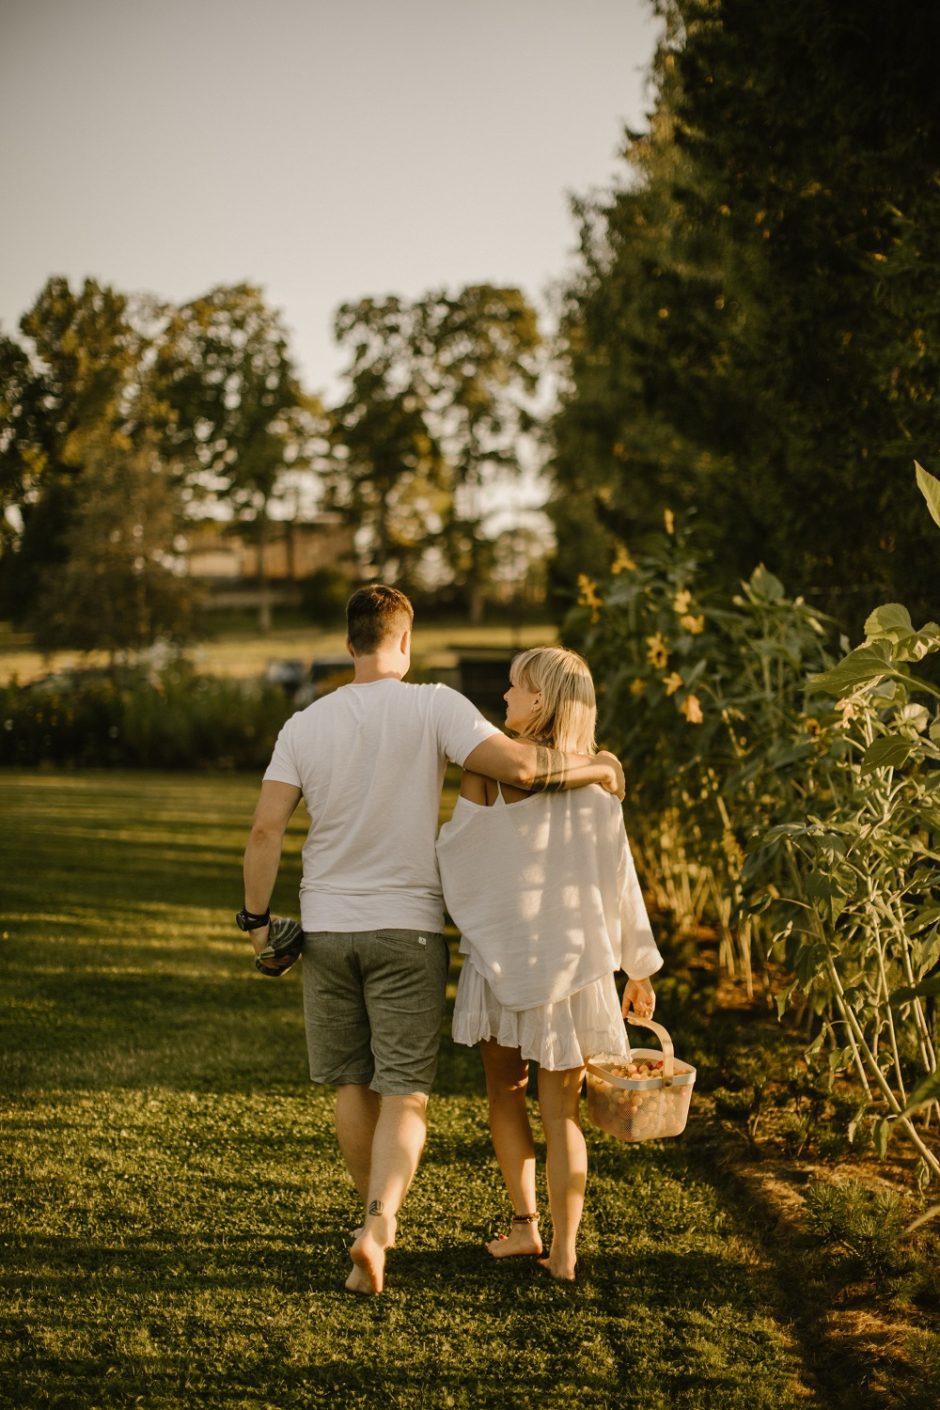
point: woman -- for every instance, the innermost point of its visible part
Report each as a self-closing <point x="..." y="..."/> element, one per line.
<point x="545" y="894"/>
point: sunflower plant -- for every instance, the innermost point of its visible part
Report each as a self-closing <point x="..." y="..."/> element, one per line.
<point x="857" y="918"/>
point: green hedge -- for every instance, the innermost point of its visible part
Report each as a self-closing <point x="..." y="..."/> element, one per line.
<point x="174" y="719"/>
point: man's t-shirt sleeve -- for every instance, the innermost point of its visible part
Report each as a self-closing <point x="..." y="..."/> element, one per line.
<point x="460" y="726"/>
<point x="282" y="768"/>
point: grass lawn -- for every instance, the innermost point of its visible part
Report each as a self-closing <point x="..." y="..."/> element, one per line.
<point x="174" y="1215"/>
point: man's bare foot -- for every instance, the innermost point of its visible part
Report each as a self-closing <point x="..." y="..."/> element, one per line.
<point x="367" y="1253"/>
<point x="360" y="1229"/>
<point x="562" y="1269"/>
<point x="368" y="1271"/>
<point x="523" y="1240"/>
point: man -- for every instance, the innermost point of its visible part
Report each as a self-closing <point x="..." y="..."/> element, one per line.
<point x="369" y="762"/>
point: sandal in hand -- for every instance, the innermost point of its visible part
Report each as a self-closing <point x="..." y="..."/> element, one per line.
<point x="285" y="942"/>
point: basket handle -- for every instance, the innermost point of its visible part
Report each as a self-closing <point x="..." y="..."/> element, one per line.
<point x="669" y="1052"/>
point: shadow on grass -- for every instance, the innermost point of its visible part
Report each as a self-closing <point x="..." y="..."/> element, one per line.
<point x="165" y="1260"/>
<point x="112" y="1015"/>
<point x="851" y="1372"/>
<point x="100" y="1031"/>
<point x="165" y="1284"/>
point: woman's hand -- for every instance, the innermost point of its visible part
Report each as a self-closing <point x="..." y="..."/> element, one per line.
<point x="638" y="995"/>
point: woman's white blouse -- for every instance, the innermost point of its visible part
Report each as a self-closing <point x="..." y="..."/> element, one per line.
<point x="545" y="894"/>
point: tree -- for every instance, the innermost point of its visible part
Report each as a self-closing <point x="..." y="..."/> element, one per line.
<point x="118" y="588"/>
<point x="71" y="378"/>
<point x="388" y="475"/>
<point x="21" y="462"/>
<point x="827" y="172"/>
<point x="755" y="324"/>
<point x="439" y="392"/>
<point x="482" y="347"/>
<point x="233" y="417"/>
<point x="209" y="388"/>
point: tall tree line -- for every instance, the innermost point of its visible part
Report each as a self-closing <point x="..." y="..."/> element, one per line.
<point x="752" y="336"/>
<point x="122" y="419"/>
<point x="438" y="410"/>
<point x="118" y="415"/>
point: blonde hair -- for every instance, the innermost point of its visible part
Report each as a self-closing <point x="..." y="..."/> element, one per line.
<point x="567" y="712"/>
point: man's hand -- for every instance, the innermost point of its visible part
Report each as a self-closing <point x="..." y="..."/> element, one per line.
<point x="277" y="946"/>
<point x="615" y="782"/>
<point x="259" y="938"/>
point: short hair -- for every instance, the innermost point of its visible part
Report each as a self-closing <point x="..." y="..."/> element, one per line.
<point x="373" y="614"/>
<point x="567" y="714"/>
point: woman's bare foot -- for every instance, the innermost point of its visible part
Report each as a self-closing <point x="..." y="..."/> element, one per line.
<point x="562" y="1269"/>
<point x="523" y="1240"/>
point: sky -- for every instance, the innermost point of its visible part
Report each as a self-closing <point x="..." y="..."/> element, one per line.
<point x="323" y="149"/>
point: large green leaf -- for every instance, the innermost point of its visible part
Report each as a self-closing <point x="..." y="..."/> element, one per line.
<point x="918" y="644"/>
<point x="863" y="664"/>
<point x="916" y="715"/>
<point x="924" y="990"/>
<point x="786" y="753"/>
<point x="783" y="999"/>
<point x="881" y="1131"/>
<point x="927" y="1090"/>
<point x="821" y="886"/>
<point x="773" y="834"/>
<point x="892" y="621"/>
<point x="887" y="753"/>
<point x="763" y="584"/>
<point x="922" y="920"/>
<point x="930" y="489"/>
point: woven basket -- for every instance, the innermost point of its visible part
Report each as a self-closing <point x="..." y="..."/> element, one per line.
<point x="640" y="1109"/>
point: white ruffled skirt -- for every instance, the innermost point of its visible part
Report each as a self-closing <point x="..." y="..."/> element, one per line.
<point x="556" y="1036"/>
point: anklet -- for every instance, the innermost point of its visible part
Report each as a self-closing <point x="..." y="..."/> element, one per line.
<point x="525" y="1218"/>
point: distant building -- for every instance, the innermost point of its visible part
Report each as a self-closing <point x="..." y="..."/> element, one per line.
<point x="222" y="558"/>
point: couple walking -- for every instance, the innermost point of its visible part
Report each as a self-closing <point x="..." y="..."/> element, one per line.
<point x="537" y="874"/>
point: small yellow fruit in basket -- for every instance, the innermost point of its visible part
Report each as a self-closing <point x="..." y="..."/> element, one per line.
<point x="630" y="1098"/>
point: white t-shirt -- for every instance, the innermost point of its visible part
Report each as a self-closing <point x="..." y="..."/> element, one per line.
<point x="545" y="894"/>
<point x="370" y="762"/>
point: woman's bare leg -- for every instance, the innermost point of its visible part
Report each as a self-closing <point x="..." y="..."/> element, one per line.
<point x="565" y="1164"/>
<point x="507" y="1075"/>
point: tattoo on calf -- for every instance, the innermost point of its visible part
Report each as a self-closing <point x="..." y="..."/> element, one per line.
<point x="550" y="772"/>
<point x="376" y="1207"/>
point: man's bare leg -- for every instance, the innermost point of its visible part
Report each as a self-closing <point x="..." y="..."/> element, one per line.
<point x="357" y="1113"/>
<point x="396" y="1149"/>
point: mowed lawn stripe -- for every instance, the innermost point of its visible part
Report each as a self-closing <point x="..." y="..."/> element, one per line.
<point x="175" y="1221"/>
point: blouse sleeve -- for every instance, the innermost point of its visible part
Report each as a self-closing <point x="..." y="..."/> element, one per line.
<point x="639" y="956"/>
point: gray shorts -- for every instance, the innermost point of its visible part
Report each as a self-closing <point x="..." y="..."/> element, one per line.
<point x="374" y="1007"/>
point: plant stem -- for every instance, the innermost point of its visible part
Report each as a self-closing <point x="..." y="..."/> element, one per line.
<point x="890" y="1098"/>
